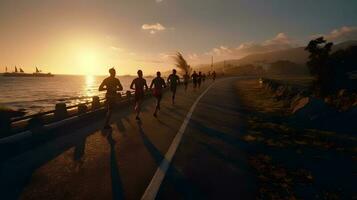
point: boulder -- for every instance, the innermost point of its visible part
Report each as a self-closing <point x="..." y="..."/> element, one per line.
<point x="311" y="108"/>
<point x="295" y="100"/>
<point x="342" y="92"/>
<point x="280" y="91"/>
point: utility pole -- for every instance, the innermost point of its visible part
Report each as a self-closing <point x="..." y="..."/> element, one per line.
<point x="212" y="63"/>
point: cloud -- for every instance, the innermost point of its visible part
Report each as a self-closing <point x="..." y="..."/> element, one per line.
<point x="193" y="56"/>
<point x="153" y="28"/>
<point x="279" y="42"/>
<point x="338" y="35"/>
<point x="279" y="39"/>
<point x="114" y="48"/>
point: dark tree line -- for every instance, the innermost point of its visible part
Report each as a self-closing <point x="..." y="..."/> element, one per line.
<point x="330" y="70"/>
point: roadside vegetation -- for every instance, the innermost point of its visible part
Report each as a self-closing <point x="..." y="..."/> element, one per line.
<point x="294" y="162"/>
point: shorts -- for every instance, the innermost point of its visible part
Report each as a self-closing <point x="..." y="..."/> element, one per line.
<point x="157" y="93"/>
<point x="139" y="96"/>
<point x="111" y="102"/>
<point x="173" y="89"/>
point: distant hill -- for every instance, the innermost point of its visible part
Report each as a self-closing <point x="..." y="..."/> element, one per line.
<point x="297" y="55"/>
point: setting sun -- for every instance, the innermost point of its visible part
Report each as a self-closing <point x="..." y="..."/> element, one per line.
<point x="88" y="61"/>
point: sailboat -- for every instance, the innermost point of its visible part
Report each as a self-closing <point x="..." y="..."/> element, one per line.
<point x="21" y="73"/>
<point x="39" y="73"/>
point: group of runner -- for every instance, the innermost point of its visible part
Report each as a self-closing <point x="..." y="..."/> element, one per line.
<point x="112" y="85"/>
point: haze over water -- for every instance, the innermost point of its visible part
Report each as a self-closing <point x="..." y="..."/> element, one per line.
<point x="41" y="94"/>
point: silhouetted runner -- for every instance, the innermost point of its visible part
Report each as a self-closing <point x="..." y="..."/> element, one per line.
<point x="173" y="80"/>
<point x="111" y="85"/>
<point x="159" y="84"/>
<point x="199" y="79"/>
<point x="139" y="84"/>
<point x="186" y="78"/>
<point x="194" y="79"/>
<point x="214" y="75"/>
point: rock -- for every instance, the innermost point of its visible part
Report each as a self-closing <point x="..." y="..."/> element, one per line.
<point x="280" y="91"/>
<point x="295" y="100"/>
<point x="329" y="100"/>
<point x="299" y="103"/>
<point x="311" y="108"/>
<point x="342" y="92"/>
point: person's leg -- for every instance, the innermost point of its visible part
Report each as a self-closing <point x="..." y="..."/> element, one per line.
<point x="157" y="105"/>
<point x="108" y="114"/>
<point x="158" y="102"/>
<point x="138" y="107"/>
<point x="173" y="95"/>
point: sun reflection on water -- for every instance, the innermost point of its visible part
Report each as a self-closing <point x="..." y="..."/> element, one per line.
<point x="90" y="86"/>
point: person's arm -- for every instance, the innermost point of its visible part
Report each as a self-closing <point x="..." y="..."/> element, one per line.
<point x="152" y="83"/>
<point x="146" y="86"/>
<point x="178" y="80"/>
<point x="132" y="85"/>
<point x="168" y="80"/>
<point x="101" y="87"/>
<point x="120" y="87"/>
<point x="163" y="83"/>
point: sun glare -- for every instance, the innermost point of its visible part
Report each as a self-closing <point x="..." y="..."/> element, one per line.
<point x="88" y="61"/>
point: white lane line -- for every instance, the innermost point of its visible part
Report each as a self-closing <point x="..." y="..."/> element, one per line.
<point x="153" y="188"/>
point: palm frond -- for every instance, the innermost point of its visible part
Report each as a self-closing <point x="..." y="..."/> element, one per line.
<point x="181" y="63"/>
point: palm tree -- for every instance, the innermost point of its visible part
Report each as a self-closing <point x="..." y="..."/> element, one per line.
<point x="181" y="63"/>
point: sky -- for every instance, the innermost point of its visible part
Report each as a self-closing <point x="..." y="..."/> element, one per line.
<point x="90" y="36"/>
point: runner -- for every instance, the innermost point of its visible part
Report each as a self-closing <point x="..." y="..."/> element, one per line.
<point x="214" y="75"/>
<point x="203" y="77"/>
<point x="199" y="79"/>
<point x="139" y="84"/>
<point x="186" y="78"/>
<point x="194" y="79"/>
<point x="173" y="80"/>
<point x="111" y="85"/>
<point x="159" y="84"/>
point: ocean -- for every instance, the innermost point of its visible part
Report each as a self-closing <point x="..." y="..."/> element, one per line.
<point x="38" y="94"/>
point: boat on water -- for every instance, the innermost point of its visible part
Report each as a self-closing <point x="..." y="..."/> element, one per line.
<point x="21" y="73"/>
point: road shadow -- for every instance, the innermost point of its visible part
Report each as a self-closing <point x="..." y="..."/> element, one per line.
<point x="117" y="186"/>
<point x="226" y="138"/>
<point x="14" y="177"/>
<point x="181" y="184"/>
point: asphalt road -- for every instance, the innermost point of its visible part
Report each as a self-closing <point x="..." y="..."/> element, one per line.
<point x="91" y="163"/>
